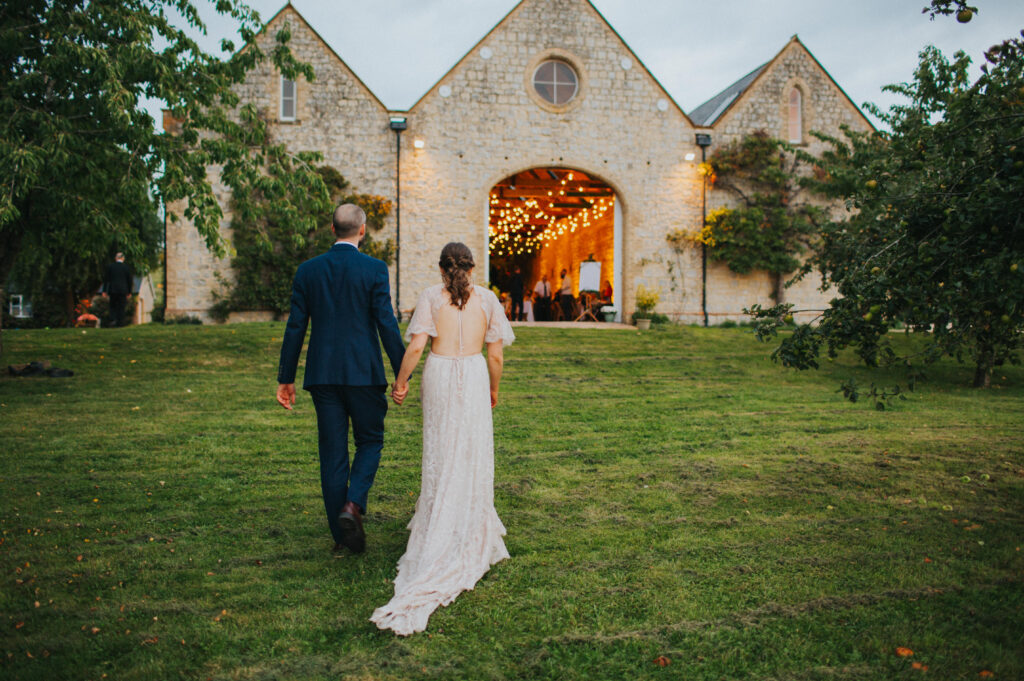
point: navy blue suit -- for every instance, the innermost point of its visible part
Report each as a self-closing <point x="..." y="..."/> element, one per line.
<point x="347" y="297"/>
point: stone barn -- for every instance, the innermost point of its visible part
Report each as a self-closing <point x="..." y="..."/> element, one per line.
<point x="549" y="143"/>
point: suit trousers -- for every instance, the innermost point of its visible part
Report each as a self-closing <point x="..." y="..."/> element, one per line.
<point x="118" y="302"/>
<point x="366" y="406"/>
<point x="516" y="313"/>
<point x="542" y="310"/>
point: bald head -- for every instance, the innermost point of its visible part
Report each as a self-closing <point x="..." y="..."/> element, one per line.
<point x="348" y="218"/>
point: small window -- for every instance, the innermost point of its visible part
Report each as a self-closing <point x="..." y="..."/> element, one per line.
<point x="556" y="82"/>
<point x="19" y="308"/>
<point x="287" y="99"/>
<point x="796" y="116"/>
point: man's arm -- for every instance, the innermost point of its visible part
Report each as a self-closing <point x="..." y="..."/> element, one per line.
<point x="291" y="345"/>
<point x="387" y="325"/>
<point x="129" y="280"/>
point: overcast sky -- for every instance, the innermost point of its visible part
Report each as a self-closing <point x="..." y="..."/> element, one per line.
<point x="400" y="48"/>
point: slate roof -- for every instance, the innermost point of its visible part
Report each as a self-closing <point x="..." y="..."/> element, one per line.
<point x="707" y="113"/>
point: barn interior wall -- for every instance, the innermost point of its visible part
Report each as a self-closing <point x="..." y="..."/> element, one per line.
<point x="570" y="250"/>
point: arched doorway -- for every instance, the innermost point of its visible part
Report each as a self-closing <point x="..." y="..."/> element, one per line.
<point x="543" y="220"/>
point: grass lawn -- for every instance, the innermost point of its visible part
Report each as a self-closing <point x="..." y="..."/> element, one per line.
<point x="670" y="496"/>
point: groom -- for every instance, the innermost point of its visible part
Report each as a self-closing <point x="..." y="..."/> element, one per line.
<point x="347" y="296"/>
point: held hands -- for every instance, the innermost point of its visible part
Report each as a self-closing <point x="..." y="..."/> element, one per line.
<point x="286" y="395"/>
<point x="399" y="391"/>
<point x="494" y="398"/>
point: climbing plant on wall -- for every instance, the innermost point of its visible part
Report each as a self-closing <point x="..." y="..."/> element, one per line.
<point x="281" y="216"/>
<point x="770" y="225"/>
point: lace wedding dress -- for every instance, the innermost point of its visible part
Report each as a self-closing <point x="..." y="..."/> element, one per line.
<point x="455" y="533"/>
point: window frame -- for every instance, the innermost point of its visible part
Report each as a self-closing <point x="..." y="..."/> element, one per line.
<point x="798" y="123"/>
<point x="294" y="98"/>
<point x="24" y="310"/>
<point x="554" y="83"/>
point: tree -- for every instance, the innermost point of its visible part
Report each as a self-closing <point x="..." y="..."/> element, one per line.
<point x="281" y="217"/>
<point x="72" y="269"/>
<point x="934" y="239"/>
<point x="964" y="12"/>
<point x="771" y="226"/>
<point x="79" y="157"/>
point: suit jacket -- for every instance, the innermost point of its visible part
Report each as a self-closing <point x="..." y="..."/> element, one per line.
<point x="347" y="297"/>
<point x="118" y="279"/>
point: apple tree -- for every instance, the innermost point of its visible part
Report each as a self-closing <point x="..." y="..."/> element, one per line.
<point x="933" y="239"/>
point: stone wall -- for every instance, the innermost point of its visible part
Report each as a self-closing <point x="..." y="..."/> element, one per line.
<point x="335" y="115"/>
<point x="483" y="122"/>
<point x="764" y="106"/>
<point x="491" y="125"/>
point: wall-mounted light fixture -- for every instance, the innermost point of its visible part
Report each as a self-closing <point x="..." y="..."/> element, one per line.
<point x="690" y="156"/>
<point x="398" y="124"/>
<point x="419" y="144"/>
<point x="703" y="141"/>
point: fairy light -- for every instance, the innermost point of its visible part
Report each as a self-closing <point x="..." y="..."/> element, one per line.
<point x="514" y="231"/>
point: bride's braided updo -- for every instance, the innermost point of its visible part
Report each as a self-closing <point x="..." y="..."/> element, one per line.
<point x="456" y="261"/>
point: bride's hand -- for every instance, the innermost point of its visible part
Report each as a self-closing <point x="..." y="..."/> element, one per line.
<point x="494" y="399"/>
<point x="398" y="393"/>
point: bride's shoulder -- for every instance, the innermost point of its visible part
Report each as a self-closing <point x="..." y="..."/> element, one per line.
<point x="484" y="292"/>
<point x="432" y="291"/>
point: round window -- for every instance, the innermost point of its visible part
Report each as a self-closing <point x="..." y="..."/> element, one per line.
<point x="556" y="82"/>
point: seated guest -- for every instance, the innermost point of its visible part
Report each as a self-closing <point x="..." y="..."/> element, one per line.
<point x="606" y="293"/>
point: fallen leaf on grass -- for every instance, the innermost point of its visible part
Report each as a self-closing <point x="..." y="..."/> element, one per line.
<point x="918" y="665"/>
<point x="662" y="661"/>
<point x="149" y="641"/>
<point x="904" y="652"/>
<point x="19" y="625"/>
<point x="985" y="674"/>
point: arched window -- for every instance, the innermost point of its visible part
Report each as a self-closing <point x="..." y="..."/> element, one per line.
<point x="796" y="116"/>
<point x="287" y="99"/>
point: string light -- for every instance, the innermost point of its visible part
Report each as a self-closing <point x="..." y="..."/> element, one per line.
<point x="513" y="229"/>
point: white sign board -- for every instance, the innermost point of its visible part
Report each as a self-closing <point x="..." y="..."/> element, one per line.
<point x="590" y="276"/>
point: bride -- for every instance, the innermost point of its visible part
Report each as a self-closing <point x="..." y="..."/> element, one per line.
<point x="456" y="534"/>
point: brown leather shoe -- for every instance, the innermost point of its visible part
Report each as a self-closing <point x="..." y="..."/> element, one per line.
<point x="337" y="548"/>
<point x="351" y="521"/>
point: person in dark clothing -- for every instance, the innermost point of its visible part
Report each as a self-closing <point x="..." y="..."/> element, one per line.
<point x="344" y="298"/>
<point x="117" y="286"/>
<point x="516" y="293"/>
<point x="542" y="312"/>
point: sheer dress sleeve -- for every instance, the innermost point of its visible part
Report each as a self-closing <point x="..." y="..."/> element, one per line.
<point x="498" y="328"/>
<point x="422" y="318"/>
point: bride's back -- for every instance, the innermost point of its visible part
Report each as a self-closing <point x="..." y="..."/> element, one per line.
<point x="447" y="318"/>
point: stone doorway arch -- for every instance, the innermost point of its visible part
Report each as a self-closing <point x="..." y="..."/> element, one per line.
<point x="546" y="218"/>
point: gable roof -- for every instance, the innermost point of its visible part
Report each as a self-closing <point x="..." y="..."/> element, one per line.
<point x="599" y="16"/>
<point x="707" y="113"/>
<point x="289" y="6"/>
<point x="716" y="107"/>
